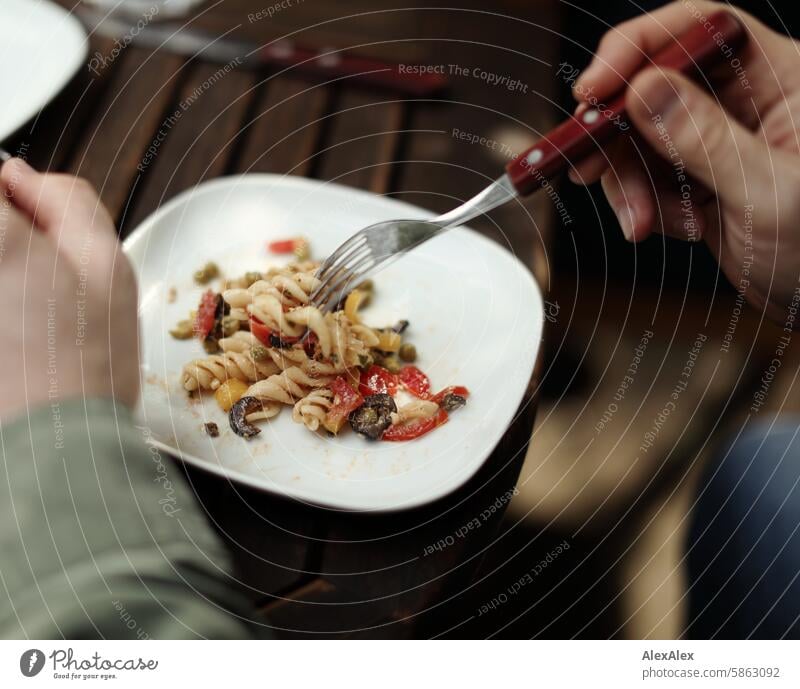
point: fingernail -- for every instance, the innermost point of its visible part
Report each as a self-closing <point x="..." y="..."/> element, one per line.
<point x="627" y="217"/>
<point x="585" y="78"/>
<point x="18" y="167"/>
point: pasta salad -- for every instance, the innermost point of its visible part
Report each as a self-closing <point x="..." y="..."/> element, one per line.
<point x="268" y="348"/>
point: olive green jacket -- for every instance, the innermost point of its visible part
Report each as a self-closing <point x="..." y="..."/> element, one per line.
<point x="101" y="537"/>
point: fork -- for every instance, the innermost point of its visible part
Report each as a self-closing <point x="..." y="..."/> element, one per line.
<point x="375" y="247"/>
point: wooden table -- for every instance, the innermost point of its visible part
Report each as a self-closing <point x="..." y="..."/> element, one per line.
<point x="316" y="571"/>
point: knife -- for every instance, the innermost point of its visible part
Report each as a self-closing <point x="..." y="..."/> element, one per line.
<point x="326" y="64"/>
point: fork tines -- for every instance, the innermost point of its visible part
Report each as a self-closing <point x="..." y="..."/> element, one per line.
<point x="345" y="267"/>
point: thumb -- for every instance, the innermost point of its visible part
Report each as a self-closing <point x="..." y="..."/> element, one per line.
<point x="689" y="129"/>
<point x="50" y="199"/>
<point x="67" y="209"/>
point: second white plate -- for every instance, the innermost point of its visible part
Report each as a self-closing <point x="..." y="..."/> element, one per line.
<point x="42" y="46"/>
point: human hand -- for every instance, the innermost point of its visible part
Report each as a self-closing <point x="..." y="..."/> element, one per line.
<point x="741" y="141"/>
<point x="68" y="295"/>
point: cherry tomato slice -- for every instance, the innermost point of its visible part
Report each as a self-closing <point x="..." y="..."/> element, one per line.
<point x="415" y="381"/>
<point x="376" y="380"/>
<point x="345" y="400"/>
<point x="282" y="246"/>
<point x="206" y="312"/>
<point x="416" y="428"/>
<point x="459" y="390"/>
<point x="268" y="337"/>
<point x="260" y="331"/>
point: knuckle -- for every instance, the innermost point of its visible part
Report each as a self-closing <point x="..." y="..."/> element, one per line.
<point x="70" y="189"/>
<point x="608" y="41"/>
<point x="83" y="186"/>
<point x="712" y="137"/>
<point x="74" y="189"/>
<point x="630" y="31"/>
<point x="58" y="184"/>
<point x="631" y="35"/>
<point x="699" y="129"/>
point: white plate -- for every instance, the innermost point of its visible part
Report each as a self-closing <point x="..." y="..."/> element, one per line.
<point x="41" y="47"/>
<point x="476" y="319"/>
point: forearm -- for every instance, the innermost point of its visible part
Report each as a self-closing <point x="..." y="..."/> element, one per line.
<point x="101" y="537"/>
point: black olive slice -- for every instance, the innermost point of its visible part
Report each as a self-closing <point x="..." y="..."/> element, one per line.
<point x="276" y="342"/>
<point x="238" y="416"/>
<point x="373" y="417"/>
<point x="452" y="401"/>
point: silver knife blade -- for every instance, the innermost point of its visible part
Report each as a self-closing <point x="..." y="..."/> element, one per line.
<point x="172" y="37"/>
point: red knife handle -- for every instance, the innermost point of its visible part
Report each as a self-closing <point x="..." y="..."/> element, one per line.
<point x="699" y="48"/>
<point x="332" y="64"/>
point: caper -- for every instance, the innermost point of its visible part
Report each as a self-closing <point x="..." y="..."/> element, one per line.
<point x="259" y="353"/>
<point x="250" y="277"/>
<point x="365" y="360"/>
<point x="408" y="352"/>
<point x="183" y="330"/>
<point x="452" y="401"/>
<point x="230" y="324"/>
<point x="391" y="363"/>
<point x="207" y="273"/>
<point x="210" y="345"/>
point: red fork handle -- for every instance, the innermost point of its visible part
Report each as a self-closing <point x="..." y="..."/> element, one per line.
<point x="699" y="48"/>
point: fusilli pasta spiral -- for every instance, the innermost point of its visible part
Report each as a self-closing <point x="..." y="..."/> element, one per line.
<point x="313" y="408"/>
<point x="285" y="387"/>
<point x="211" y="372"/>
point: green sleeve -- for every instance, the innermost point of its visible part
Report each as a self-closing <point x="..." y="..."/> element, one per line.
<point x="101" y="536"/>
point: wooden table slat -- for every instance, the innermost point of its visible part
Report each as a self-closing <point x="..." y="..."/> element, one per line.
<point x="123" y="124"/>
<point x="199" y="135"/>
<point x="272" y="542"/>
<point x="364" y="138"/>
<point x="284" y="132"/>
